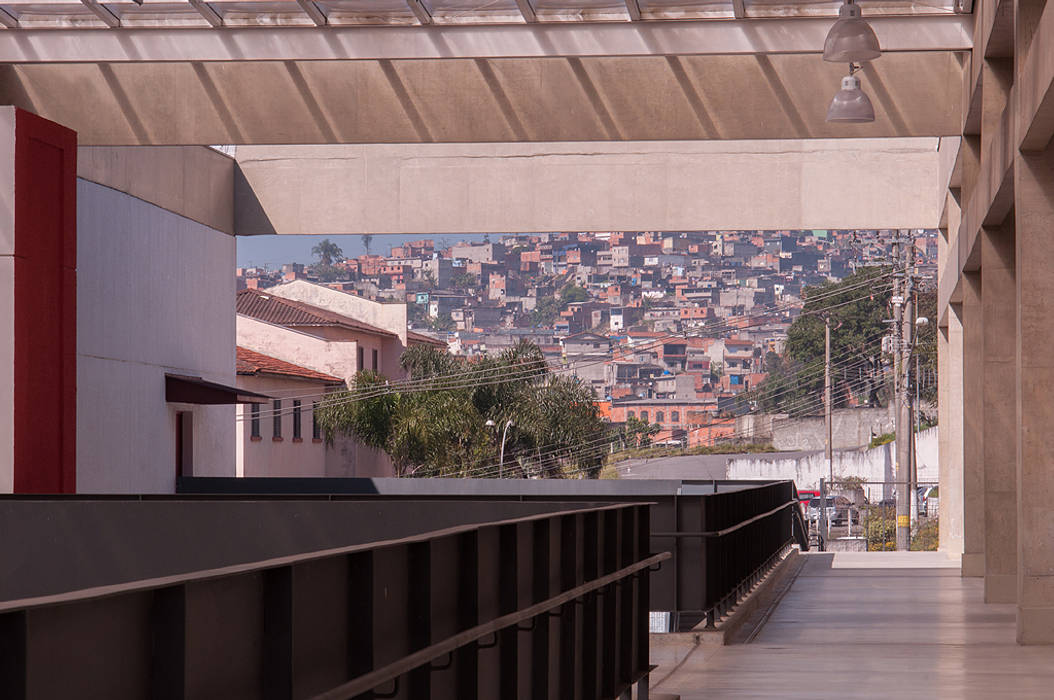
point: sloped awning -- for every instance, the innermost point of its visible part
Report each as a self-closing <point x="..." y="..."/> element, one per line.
<point x="180" y="388"/>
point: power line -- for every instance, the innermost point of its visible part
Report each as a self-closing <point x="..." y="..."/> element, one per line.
<point x="603" y="442"/>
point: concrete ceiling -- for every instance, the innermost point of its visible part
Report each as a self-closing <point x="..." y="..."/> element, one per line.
<point x="559" y="98"/>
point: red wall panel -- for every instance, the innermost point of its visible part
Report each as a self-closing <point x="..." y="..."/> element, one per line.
<point x="45" y="387"/>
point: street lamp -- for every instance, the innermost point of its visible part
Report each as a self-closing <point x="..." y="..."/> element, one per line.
<point x="850" y="104"/>
<point x="501" y="457"/>
<point x="851" y="39"/>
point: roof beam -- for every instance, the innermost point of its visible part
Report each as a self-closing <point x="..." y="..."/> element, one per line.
<point x="109" y="19"/>
<point x="420" y="11"/>
<point x="739" y="9"/>
<point x="205" y="10"/>
<point x="314" y="12"/>
<point x="633" y="8"/>
<point x="540" y="40"/>
<point x="7" y="19"/>
<point x="527" y="10"/>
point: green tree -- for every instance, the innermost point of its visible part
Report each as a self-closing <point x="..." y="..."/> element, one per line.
<point x="438" y="428"/>
<point x="926" y="346"/>
<point x="857" y="324"/>
<point x="328" y="273"/>
<point x="327" y="252"/>
<point x="545" y="311"/>
<point x="572" y="294"/>
<point x="462" y="281"/>
<point x="443" y="322"/>
<point x="639" y="433"/>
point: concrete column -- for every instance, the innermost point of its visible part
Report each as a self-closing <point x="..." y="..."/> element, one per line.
<point x="1034" y="207"/>
<point x="998" y="304"/>
<point x="973" y="422"/>
<point x="950" y="430"/>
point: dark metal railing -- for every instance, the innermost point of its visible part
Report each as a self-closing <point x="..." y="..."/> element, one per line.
<point x="549" y="605"/>
<point x="722" y="534"/>
<point x="725" y="543"/>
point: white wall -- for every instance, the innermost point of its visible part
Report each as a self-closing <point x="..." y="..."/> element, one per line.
<point x="872" y="464"/>
<point x="339" y="358"/>
<point x="389" y="317"/>
<point x="336" y="358"/>
<point x="155" y="294"/>
<point x="286" y="457"/>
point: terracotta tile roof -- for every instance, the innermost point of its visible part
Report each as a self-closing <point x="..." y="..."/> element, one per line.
<point x="294" y="314"/>
<point x="421" y="338"/>
<point x="250" y="362"/>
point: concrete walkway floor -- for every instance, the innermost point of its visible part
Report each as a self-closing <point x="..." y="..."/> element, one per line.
<point x="866" y="625"/>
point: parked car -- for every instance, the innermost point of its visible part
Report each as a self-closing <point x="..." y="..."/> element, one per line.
<point x="804" y="497"/>
<point x="837" y="509"/>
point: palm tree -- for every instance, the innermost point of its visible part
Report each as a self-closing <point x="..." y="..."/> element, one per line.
<point x="327" y="252"/>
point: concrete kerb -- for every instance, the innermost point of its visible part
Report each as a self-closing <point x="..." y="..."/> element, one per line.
<point x="724" y="633"/>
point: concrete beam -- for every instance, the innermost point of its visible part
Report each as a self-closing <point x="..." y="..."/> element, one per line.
<point x="567" y="39"/>
<point x="195" y="182"/>
<point x="991" y="197"/>
<point x="442" y="188"/>
<point x="1034" y="86"/>
<point x="507" y="100"/>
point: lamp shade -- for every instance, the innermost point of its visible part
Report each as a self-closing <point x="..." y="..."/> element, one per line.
<point x="851" y="39"/>
<point x="851" y="105"/>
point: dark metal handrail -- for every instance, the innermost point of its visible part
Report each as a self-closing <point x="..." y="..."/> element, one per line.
<point x="564" y="594"/>
<point x="419" y="658"/>
<point x="727" y="530"/>
<point x="277" y="562"/>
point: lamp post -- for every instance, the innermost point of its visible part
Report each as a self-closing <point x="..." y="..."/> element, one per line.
<point x="501" y="454"/>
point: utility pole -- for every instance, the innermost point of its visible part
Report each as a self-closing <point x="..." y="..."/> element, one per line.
<point x="904" y="329"/>
<point x="825" y="487"/>
<point x="828" y="405"/>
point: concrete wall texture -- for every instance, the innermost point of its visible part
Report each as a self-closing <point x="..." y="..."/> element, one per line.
<point x="687" y="185"/>
<point x="288" y="457"/>
<point x="850" y="428"/>
<point x="155" y="295"/>
<point x="871" y="464"/>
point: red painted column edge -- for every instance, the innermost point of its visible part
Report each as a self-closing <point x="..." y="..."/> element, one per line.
<point x="29" y="127"/>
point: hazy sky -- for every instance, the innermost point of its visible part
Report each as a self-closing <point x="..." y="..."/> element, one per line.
<point x="273" y="251"/>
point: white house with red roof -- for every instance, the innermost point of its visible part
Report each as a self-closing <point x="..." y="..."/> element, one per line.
<point x="333" y="333"/>
<point x="280" y="437"/>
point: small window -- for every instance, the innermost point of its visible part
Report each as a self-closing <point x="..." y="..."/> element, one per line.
<point x="375" y="365"/>
<point x="296" y="421"/>
<point x="362" y="358"/>
<point x="675" y="416"/>
<point x="277" y="408"/>
<point x="644" y="416"/>
<point x="660" y="417"/>
<point x="256" y="420"/>
<point x="316" y="429"/>
<point x="631" y="414"/>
